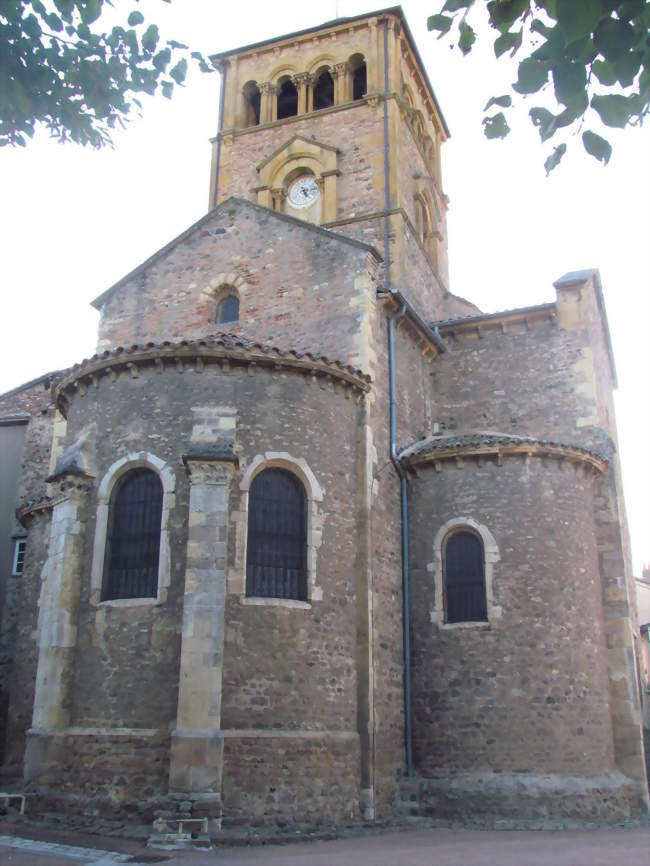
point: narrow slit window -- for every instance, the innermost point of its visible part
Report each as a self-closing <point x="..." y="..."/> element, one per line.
<point x="276" y="557"/>
<point x="133" y="540"/>
<point x="465" y="597"/>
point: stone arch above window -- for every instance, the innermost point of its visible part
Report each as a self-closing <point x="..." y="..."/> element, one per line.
<point x="300" y="156"/>
<point x="215" y="298"/>
<point x="110" y="483"/>
<point x="437" y="567"/>
<point x="299" y="469"/>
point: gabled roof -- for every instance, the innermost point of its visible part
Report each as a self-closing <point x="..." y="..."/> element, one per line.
<point x="229" y="202"/>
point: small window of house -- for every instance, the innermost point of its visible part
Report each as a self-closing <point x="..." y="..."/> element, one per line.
<point x="287" y="99"/>
<point x="20" y="547"/>
<point x="276" y="557"/>
<point x="133" y="539"/>
<point x="252" y="102"/>
<point x="324" y="91"/>
<point x="464" y="578"/>
<point x="228" y="310"/>
<point x="359" y="76"/>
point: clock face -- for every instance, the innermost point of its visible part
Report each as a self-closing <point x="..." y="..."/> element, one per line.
<point x="303" y="191"/>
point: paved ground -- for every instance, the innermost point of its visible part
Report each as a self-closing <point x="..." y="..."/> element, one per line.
<point x="418" y="847"/>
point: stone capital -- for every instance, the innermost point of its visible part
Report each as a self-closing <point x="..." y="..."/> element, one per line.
<point x="206" y="471"/>
<point x="269" y="88"/>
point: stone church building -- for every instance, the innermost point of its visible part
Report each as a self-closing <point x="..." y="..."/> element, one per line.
<point x="310" y="539"/>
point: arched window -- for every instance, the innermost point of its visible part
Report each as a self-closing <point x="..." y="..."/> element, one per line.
<point x="252" y="102"/>
<point x="359" y="76"/>
<point x="464" y="578"/>
<point x="227" y="310"/>
<point x="276" y="556"/>
<point x="133" y="538"/>
<point x="324" y="90"/>
<point x="287" y="99"/>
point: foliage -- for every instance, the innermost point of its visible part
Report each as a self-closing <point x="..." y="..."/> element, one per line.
<point x="59" y="68"/>
<point x="588" y="51"/>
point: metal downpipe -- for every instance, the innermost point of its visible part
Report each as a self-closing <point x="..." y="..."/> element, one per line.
<point x="406" y="614"/>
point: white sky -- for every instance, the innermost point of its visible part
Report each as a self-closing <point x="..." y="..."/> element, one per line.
<point x="73" y="220"/>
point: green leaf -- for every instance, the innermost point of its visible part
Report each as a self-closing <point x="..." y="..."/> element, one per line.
<point x="90" y="10"/>
<point x="614" y="38"/>
<point x="554" y="159"/>
<point x="504" y="13"/>
<point x="161" y="59"/>
<point x="179" y="71"/>
<point x="455" y="5"/>
<point x="532" y="76"/>
<point x="467" y="37"/>
<point x="544" y="120"/>
<point x="598" y="147"/>
<point x="135" y="18"/>
<point x="167" y="89"/>
<point x="605" y="72"/>
<point x="150" y="38"/>
<point x="569" y="82"/>
<point x="614" y="109"/>
<point x="496" y="126"/>
<point x="501" y="101"/>
<point x="627" y="68"/>
<point x="505" y="42"/>
<point x="439" y="22"/>
<point x="578" y="18"/>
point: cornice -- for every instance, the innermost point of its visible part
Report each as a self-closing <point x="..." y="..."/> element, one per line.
<point x="487" y="321"/>
<point x="477" y="446"/>
<point x="225" y="350"/>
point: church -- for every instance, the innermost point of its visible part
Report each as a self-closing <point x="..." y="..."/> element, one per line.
<point x="311" y="540"/>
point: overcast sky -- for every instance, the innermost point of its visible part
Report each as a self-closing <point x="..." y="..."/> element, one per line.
<point x="73" y="220"/>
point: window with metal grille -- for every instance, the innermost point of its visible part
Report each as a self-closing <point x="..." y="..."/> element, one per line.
<point x="133" y="540"/>
<point x="465" y="599"/>
<point x="228" y="310"/>
<point x="276" y="556"/>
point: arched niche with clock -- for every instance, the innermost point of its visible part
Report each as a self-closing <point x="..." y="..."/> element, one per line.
<point x="302" y="197"/>
<point x="300" y="179"/>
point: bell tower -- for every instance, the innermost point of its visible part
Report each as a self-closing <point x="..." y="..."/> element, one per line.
<point x="338" y="125"/>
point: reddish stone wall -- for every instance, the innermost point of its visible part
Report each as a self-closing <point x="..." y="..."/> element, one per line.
<point x="530" y="692"/>
<point x="302" y="292"/>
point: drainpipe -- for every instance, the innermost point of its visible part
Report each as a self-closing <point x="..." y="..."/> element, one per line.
<point x="224" y="71"/>
<point x="406" y="617"/>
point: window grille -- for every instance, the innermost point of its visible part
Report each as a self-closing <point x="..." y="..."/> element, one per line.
<point x="133" y="547"/>
<point x="465" y="599"/>
<point x="276" y="558"/>
<point x="19" y="557"/>
<point x="228" y="310"/>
